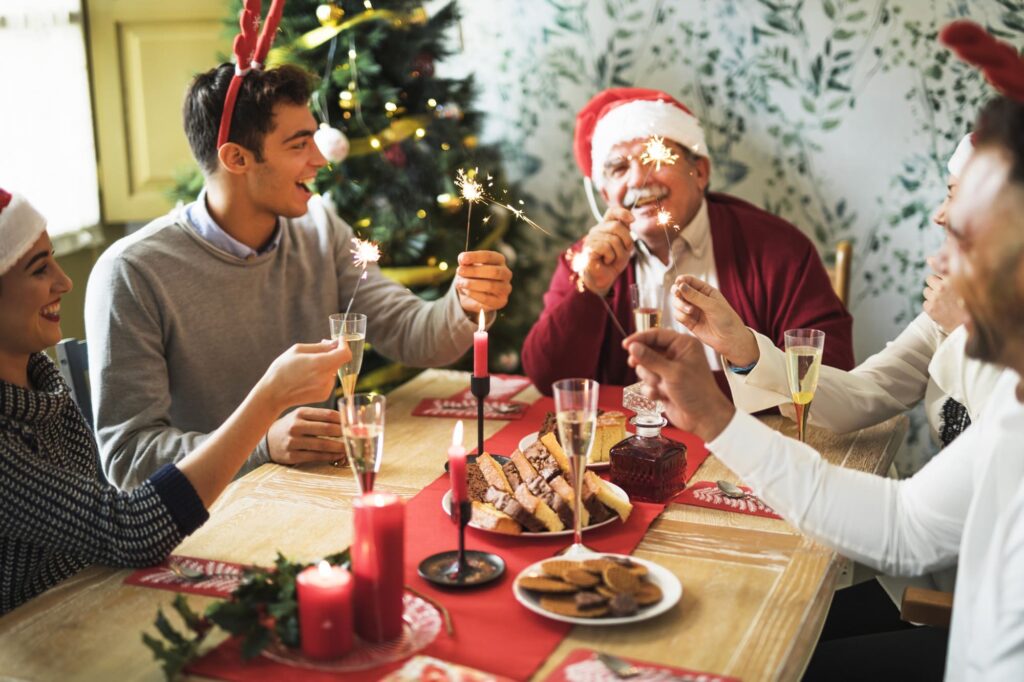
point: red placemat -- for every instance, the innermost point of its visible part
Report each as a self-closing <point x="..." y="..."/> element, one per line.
<point x="707" y="494"/>
<point x="503" y="387"/>
<point x="493" y="632"/>
<point x="582" y="665"/>
<point x="457" y="408"/>
<point x="224" y="577"/>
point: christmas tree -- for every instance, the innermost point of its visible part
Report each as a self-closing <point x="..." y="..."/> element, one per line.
<point x="396" y="135"/>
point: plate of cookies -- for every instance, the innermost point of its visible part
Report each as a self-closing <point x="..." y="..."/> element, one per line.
<point x="529" y="494"/>
<point x="599" y="589"/>
<point x="611" y="430"/>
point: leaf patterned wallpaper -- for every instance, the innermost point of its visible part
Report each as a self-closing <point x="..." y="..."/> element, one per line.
<point x="838" y="115"/>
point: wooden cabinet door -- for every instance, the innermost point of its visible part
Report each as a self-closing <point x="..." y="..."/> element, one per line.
<point x="143" y="53"/>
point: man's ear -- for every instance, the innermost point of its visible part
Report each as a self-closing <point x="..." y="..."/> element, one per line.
<point x="702" y="171"/>
<point x="234" y="158"/>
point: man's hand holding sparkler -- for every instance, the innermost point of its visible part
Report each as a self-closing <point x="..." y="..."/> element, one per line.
<point x="611" y="246"/>
<point x="483" y="281"/>
<point x="703" y="310"/>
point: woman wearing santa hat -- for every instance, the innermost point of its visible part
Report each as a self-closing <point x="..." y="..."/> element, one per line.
<point x="766" y="268"/>
<point x="57" y="514"/>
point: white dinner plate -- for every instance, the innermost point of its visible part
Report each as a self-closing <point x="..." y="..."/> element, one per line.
<point x="671" y="591"/>
<point x="531" y="438"/>
<point x="446" y="504"/>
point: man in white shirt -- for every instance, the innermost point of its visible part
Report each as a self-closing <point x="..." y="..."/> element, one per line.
<point x="968" y="502"/>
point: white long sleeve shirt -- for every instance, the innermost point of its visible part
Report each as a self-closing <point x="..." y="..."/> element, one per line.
<point x="921" y="363"/>
<point x="967" y="502"/>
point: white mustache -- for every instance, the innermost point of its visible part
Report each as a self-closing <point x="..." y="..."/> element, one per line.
<point x="636" y="196"/>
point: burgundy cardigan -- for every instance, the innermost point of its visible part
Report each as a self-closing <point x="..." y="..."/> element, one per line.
<point x="768" y="270"/>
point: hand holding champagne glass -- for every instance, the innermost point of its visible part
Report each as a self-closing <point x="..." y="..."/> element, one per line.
<point x="362" y="428"/>
<point x="803" y="362"/>
<point x="647" y="306"/>
<point x="352" y="328"/>
<point x="576" y="412"/>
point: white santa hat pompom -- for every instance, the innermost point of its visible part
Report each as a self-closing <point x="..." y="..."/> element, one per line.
<point x="332" y="143"/>
<point x="961" y="156"/>
<point x="20" y="227"/>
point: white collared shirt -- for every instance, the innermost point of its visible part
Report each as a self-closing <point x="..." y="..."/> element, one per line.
<point x="967" y="503"/>
<point x="206" y="227"/>
<point x="692" y="253"/>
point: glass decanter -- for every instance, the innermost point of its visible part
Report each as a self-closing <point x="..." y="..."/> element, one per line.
<point x="648" y="466"/>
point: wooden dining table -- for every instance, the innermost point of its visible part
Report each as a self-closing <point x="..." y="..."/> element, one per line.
<point x="756" y="591"/>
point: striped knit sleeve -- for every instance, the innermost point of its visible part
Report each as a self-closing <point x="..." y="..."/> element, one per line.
<point x="68" y="512"/>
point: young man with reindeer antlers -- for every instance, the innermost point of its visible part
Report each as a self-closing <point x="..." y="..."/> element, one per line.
<point x="183" y="316"/>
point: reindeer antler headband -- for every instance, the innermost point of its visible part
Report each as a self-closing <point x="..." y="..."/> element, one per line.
<point x="250" y="53"/>
<point x="997" y="61"/>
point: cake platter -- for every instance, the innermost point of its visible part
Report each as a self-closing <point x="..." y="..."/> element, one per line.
<point x="446" y="504"/>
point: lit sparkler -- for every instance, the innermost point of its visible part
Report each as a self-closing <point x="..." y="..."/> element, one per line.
<point x="578" y="262"/>
<point x="364" y="252"/>
<point x="474" y="193"/>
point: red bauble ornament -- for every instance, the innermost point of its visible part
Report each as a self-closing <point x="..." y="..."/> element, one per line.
<point x="423" y="63"/>
<point x="396" y="156"/>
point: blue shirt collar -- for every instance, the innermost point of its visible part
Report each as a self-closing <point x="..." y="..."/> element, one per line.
<point x="207" y="228"/>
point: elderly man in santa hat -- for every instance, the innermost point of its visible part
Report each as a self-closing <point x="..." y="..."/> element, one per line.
<point x="767" y="270"/>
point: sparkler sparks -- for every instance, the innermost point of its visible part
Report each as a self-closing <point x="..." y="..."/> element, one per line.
<point x="474" y="193"/>
<point x="469" y="188"/>
<point x="658" y="153"/>
<point x="664" y="218"/>
<point x="364" y="252"/>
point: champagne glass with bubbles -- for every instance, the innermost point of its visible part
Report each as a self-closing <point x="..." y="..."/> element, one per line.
<point x="804" y="348"/>
<point x="647" y="306"/>
<point x="352" y="328"/>
<point x="576" y="413"/>
<point x="362" y="428"/>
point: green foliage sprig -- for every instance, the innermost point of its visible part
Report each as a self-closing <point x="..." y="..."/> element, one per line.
<point x="264" y="607"/>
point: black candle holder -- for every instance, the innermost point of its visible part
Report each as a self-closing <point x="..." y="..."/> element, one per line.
<point x="481" y="388"/>
<point x="462" y="568"/>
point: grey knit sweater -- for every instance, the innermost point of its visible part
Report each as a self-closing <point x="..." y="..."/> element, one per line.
<point x="56" y="514"/>
<point x="179" y="331"/>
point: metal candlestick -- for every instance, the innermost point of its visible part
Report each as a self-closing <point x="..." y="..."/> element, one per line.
<point x="481" y="388"/>
<point x="461" y="568"/>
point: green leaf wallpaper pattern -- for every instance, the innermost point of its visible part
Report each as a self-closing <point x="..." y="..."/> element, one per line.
<point x="837" y="115"/>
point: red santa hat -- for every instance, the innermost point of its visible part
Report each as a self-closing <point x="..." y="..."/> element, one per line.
<point x="20" y="227"/>
<point x="622" y="114"/>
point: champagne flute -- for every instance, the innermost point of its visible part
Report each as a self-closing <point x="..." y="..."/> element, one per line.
<point x="362" y="428"/>
<point x="803" y="362"/>
<point x="352" y="328"/>
<point x="648" y="304"/>
<point x="576" y="412"/>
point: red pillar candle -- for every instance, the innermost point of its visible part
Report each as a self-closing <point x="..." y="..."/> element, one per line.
<point x="457" y="468"/>
<point x="378" y="564"/>
<point x="480" y="349"/>
<point x="324" y="594"/>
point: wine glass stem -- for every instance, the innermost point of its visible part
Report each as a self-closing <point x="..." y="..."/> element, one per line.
<point x="579" y="468"/>
<point x="801" y="420"/>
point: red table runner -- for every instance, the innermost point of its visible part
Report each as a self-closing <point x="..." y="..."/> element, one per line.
<point x="493" y="632"/>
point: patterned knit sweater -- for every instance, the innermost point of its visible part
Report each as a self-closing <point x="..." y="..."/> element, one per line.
<point x="57" y="515"/>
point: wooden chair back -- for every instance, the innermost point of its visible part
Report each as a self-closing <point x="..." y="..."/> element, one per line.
<point x="73" y="358"/>
<point x="839" y="273"/>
